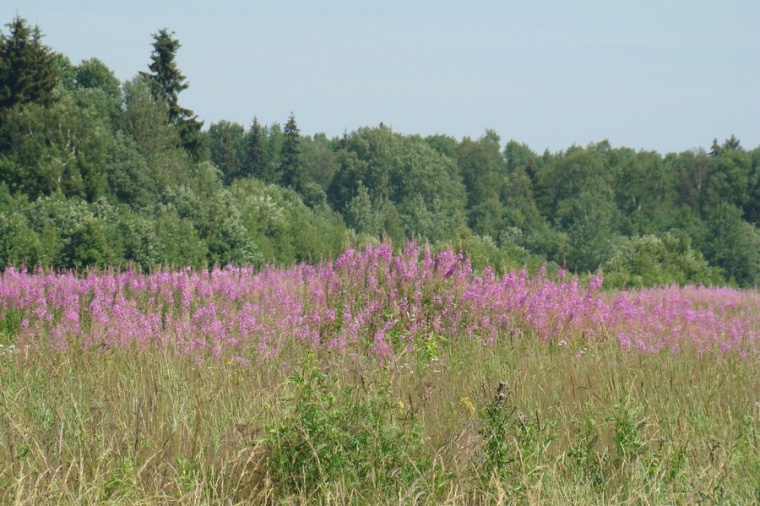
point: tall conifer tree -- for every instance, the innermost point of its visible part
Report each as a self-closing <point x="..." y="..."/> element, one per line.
<point x="27" y="71"/>
<point x="257" y="159"/>
<point x="291" y="168"/>
<point x="167" y="82"/>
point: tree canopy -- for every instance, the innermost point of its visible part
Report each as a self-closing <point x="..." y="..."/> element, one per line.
<point x="96" y="172"/>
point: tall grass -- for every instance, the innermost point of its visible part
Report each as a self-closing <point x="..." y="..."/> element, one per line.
<point x="378" y="379"/>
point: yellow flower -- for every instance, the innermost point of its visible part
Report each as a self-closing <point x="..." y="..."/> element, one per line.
<point x="468" y="404"/>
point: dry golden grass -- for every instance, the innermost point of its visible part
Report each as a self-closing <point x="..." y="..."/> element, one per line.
<point x="578" y="426"/>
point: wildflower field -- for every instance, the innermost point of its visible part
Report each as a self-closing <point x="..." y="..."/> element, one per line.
<point x="379" y="378"/>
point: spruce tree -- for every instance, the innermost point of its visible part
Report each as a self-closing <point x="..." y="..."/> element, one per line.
<point x="291" y="168"/>
<point x="257" y="159"/>
<point x="27" y="71"/>
<point x="166" y="83"/>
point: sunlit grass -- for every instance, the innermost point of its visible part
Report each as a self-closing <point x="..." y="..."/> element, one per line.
<point x="598" y="427"/>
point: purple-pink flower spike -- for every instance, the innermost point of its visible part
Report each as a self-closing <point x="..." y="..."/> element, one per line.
<point x="365" y="301"/>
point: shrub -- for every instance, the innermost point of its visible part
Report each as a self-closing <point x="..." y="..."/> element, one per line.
<point x="350" y="435"/>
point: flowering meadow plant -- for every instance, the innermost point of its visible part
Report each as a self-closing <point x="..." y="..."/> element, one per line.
<point x="369" y="301"/>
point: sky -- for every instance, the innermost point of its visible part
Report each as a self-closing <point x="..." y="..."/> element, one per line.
<point x="662" y="75"/>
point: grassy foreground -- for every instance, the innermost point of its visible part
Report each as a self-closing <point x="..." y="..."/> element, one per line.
<point x="454" y="389"/>
<point x="599" y="426"/>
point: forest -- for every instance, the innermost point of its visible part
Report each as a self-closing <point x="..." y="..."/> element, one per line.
<point x="99" y="173"/>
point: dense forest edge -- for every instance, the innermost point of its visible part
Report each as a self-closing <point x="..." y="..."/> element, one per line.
<point x="99" y="173"/>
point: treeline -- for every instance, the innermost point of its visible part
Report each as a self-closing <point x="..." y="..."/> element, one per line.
<point x="96" y="172"/>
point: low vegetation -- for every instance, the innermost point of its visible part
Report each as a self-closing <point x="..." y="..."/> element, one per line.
<point x="379" y="378"/>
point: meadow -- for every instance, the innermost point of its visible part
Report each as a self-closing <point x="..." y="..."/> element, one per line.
<point x="379" y="378"/>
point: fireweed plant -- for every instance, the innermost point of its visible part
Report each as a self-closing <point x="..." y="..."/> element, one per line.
<point x="365" y="302"/>
<point x="378" y="378"/>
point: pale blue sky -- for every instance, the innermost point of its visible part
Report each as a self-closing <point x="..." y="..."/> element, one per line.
<point x="647" y="74"/>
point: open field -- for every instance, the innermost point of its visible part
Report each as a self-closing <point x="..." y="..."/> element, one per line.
<point x="376" y="379"/>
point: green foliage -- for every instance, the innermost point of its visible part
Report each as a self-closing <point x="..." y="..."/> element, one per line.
<point x="177" y="240"/>
<point x="7" y="202"/>
<point x="730" y="176"/>
<point x="74" y="132"/>
<point x="585" y="459"/>
<point x="444" y="144"/>
<point x="482" y="169"/>
<point x="519" y="156"/>
<point x="589" y="222"/>
<point x="27" y="67"/>
<point x="283" y="229"/>
<point x="138" y="241"/>
<point x="692" y="170"/>
<point x="291" y="169"/>
<point x="55" y="219"/>
<point x="376" y="218"/>
<point x="645" y="193"/>
<point x="129" y="178"/>
<point x="514" y="443"/>
<point x="65" y="72"/>
<point x="488" y="218"/>
<point x="166" y="83"/>
<point x="20" y="245"/>
<point x="262" y="149"/>
<point x="226" y="143"/>
<point x="484" y="252"/>
<point x="319" y="159"/>
<point x="628" y="422"/>
<point x="348" y="435"/>
<point x="61" y="147"/>
<point x="498" y="422"/>
<point x="520" y="208"/>
<point x="422" y="184"/>
<point x="255" y="161"/>
<point x="212" y="210"/>
<point x="650" y="261"/>
<point x="428" y="218"/>
<point x="94" y="74"/>
<point x="752" y="208"/>
<point x="145" y="119"/>
<point x="547" y="241"/>
<point x="166" y="80"/>
<point x="568" y="176"/>
<point x="149" y="150"/>
<point x="88" y="246"/>
<point x="732" y="244"/>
